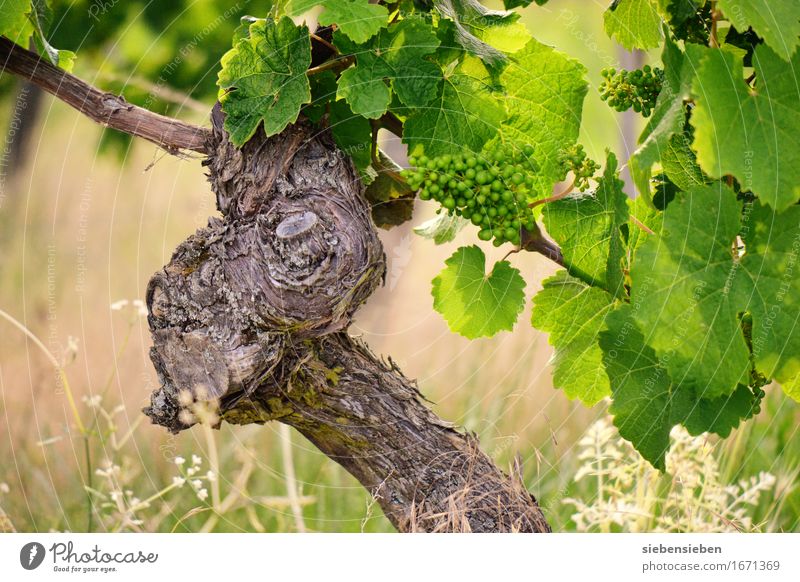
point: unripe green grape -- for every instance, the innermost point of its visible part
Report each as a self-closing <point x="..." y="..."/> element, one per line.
<point x="491" y="190"/>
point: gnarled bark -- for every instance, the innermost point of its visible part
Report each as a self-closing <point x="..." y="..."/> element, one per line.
<point x="251" y="315"/>
<point x="252" y="311"/>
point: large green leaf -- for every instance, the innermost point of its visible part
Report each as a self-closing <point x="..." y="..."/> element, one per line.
<point x="263" y="78"/>
<point x="752" y="135"/>
<point x="474" y="304"/>
<point x="573" y="313"/>
<point x="691" y="287"/>
<point x="767" y="285"/>
<point x="352" y="133"/>
<point x="635" y="24"/>
<point x="776" y="21"/>
<point x="486" y="34"/>
<point x="641" y="388"/>
<point x="464" y="115"/>
<point x="646" y="404"/>
<point x="358" y="19"/>
<point x="14" y="18"/>
<point x="398" y="54"/>
<point x="682" y="292"/>
<point x="679" y="163"/>
<point x="545" y="90"/>
<point x="587" y="228"/>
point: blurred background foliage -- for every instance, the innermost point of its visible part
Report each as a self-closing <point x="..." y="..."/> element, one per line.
<point x="81" y="230"/>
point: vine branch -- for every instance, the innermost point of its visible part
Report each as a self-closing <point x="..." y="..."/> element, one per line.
<point x="104" y="108"/>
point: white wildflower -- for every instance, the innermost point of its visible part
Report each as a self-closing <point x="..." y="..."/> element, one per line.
<point x="141" y="308"/>
<point x="197" y="483"/>
<point x="186" y="417"/>
<point x="196" y="460"/>
<point x="627" y="494"/>
<point x="72" y="350"/>
<point x="93" y="401"/>
<point x="119" y="305"/>
<point x="211" y="476"/>
<point x="179" y="460"/>
<point x="4" y="488"/>
<point x="178" y="481"/>
<point x="191" y="471"/>
<point x="202" y="494"/>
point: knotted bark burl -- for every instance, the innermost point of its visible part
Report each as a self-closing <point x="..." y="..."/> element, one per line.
<point x="251" y="314"/>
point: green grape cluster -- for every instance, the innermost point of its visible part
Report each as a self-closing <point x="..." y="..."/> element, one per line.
<point x="490" y="189"/>
<point x="759" y="394"/>
<point x="637" y="89"/>
<point x="575" y="160"/>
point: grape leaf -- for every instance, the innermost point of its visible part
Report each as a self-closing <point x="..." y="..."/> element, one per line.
<point x="574" y="313"/>
<point x="473" y="304"/>
<point x="643" y="215"/>
<point x="718" y="415"/>
<point x="641" y="389"/>
<point x="587" y="228"/>
<point x="508" y="35"/>
<point x="352" y="133"/>
<point x="646" y="404"/>
<point x="792" y="388"/>
<point x="14" y="19"/>
<point x="752" y="135"/>
<point x="465" y="114"/>
<point x="682" y="292"/>
<point x="679" y="163"/>
<point x="391" y="198"/>
<point x="323" y="93"/>
<point x="398" y="54"/>
<point x="768" y="286"/>
<point x="366" y="93"/>
<point x="509" y="4"/>
<point x="635" y="24"/>
<point x="691" y="287"/>
<point x="482" y="32"/>
<point x="776" y="21"/>
<point x="441" y="229"/>
<point x="40" y="17"/>
<point x="358" y="19"/>
<point x="263" y="77"/>
<point x="545" y="91"/>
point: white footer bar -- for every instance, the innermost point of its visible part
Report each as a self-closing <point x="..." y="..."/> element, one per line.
<point x="376" y="557"/>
